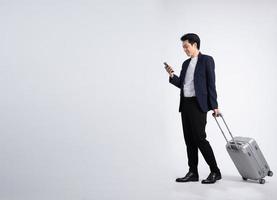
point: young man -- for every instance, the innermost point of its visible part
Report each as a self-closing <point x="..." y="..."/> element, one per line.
<point x="198" y="96"/>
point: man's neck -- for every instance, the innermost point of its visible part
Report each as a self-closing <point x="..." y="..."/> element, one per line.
<point x="195" y="54"/>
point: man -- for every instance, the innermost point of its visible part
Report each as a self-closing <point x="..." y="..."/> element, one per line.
<point x="198" y="96"/>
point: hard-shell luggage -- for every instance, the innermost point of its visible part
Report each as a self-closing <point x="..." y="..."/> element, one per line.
<point x="247" y="156"/>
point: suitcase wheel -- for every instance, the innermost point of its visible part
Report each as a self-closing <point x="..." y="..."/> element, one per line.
<point x="262" y="181"/>
<point x="270" y="173"/>
<point x="243" y="178"/>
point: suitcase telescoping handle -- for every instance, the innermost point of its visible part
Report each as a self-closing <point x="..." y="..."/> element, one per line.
<point x="220" y="115"/>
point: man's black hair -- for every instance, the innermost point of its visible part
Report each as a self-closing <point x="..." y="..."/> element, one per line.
<point x="192" y="38"/>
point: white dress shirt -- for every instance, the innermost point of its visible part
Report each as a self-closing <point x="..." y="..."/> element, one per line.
<point x="188" y="83"/>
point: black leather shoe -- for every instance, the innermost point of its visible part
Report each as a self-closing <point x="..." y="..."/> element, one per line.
<point x="212" y="178"/>
<point x="190" y="177"/>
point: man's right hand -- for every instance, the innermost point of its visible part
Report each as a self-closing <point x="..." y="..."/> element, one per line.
<point x="169" y="70"/>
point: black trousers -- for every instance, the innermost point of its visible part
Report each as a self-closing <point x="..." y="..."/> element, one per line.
<point x="194" y="123"/>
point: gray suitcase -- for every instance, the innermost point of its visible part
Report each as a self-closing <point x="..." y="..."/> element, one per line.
<point x="246" y="156"/>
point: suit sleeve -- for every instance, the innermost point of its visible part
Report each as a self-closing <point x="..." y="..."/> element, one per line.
<point x="175" y="80"/>
<point x="212" y="95"/>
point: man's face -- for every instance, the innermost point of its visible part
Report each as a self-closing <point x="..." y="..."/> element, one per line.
<point x="188" y="48"/>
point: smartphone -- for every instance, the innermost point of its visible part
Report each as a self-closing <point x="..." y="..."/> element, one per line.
<point x="166" y="65"/>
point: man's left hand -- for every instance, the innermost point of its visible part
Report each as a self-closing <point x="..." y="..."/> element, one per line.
<point x="216" y="112"/>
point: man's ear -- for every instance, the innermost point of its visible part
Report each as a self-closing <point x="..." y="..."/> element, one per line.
<point x="195" y="45"/>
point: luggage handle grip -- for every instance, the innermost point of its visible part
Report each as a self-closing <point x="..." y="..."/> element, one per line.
<point x="220" y="115"/>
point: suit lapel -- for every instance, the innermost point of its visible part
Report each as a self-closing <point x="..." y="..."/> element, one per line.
<point x="185" y="67"/>
<point x="199" y="60"/>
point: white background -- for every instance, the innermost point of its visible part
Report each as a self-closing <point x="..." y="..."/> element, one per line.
<point x="86" y="110"/>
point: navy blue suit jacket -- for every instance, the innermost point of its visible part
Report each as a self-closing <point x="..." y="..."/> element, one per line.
<point x="204" y="82"/>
